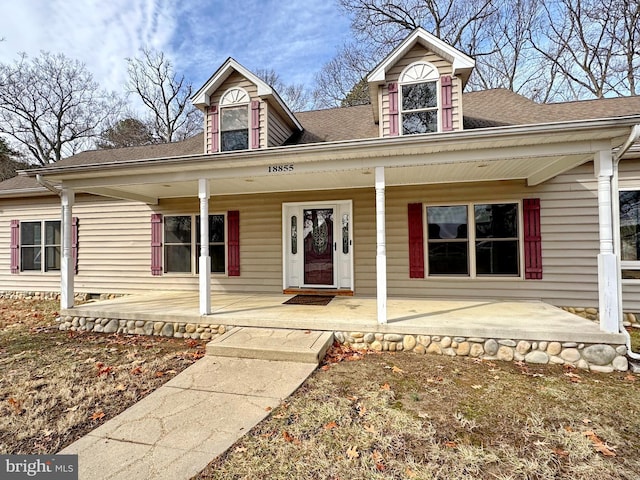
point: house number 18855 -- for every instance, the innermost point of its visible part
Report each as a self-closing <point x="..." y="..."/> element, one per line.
<point x="280" y="168"/>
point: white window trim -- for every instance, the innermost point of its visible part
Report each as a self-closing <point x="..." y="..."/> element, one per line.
<point x="241" y="99"/>
<point x="434" y="77"/>
<point x="195" y="251"/>
<point x="625" y="264"/>
<point x="43" y="263"/>
<point x="471" y="239"/>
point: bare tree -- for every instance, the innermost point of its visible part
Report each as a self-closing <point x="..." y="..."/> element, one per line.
<point x="51" y="107"/>
<point x="627" y="39"/>
<point x="379" y="25"/>
<point x="295" y="96"/>
<point x="165" y="94"/>
<point x="337" y="81"/>
<point x="548" y="50"/>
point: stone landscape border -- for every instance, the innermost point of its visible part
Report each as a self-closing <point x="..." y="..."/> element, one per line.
<point x="595" y="357"/>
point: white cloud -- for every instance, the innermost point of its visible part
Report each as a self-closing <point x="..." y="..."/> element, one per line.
<point x="293" y="37"/>
<point x="100" y="34"/>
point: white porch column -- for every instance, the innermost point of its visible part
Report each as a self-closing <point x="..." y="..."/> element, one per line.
<point x="67" y="268"/>
<point x="381" y="247"/>
<point x="205" y="259"/>
<point x="608" y="295"/>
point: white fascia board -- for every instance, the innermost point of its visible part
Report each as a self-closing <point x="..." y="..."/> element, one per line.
<point x="201" y="97"/>
<point x="462" y="63"/>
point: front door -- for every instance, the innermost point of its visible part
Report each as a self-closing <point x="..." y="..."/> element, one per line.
<point x="317" y="245"/>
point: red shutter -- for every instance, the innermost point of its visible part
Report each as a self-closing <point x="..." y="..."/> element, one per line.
<point x="15" y="246"/>
<point x="416" y="241"/>
<point x="233" y="244"/>
<point x="532" y="239"/>
<point x="156" y="244"/>
<point x="393" y="110"/>
<point x="74" y="243"/>
<point x="255" y="124"/>
<point x="213" y="118"/>
<point x="446" y="87"/>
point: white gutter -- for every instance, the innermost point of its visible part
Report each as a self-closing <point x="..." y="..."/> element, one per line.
<point x="634" y="136"/>
<point x="49" y="186"/>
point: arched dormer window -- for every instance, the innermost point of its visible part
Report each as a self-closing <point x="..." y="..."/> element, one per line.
<point x="234" y="120"/>
<point x="419" y="98"/>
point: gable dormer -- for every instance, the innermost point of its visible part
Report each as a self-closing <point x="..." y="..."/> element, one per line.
<point x="242" y="112"/>
<point x="418" y="87"/>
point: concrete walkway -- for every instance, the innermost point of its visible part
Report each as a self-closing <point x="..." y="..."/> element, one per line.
<point x="174" y="432"/>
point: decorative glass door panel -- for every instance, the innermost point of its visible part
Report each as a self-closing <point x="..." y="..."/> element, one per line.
<point x="318" y="246"/>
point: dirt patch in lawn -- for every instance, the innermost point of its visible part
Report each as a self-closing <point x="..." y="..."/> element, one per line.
<point x="433" y="417"/>
<point x="57" y="386"/>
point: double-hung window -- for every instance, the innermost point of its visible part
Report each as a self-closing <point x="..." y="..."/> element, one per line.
<point x="234" y="120"/>
<point x="630" y="234"/>
<point x="182" y="243"/>
<point x="419" y="89"/>
<point x="475" y="240"/>
<point x="40" y="243"/>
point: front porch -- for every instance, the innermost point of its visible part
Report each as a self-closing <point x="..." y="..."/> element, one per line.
<point x="522" y="330"/>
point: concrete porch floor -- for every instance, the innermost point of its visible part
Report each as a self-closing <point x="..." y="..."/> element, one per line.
<point x="529" y="320"/>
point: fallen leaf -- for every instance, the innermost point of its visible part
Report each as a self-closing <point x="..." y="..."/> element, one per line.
<point x="159" y="374"/>
<point x="410" y="473"/>
<point x="352" y="453"/>
<point x="97" y="415"/>
<point x="370" y="429"/>
<point x="560" y="452"/>
<point x="136" y="371"/>
<point x="451" y="444"/>
<point x="120" y="388"/>
<point x="397" y="370"/>
<point x="330" y="425"/>
<point x="598" y="444"/>
<point x="268" y="409"/>
<point x="287" y="436"/>
<point x="568" y="428"/>
<point x="386" y="386"/>
<point x="15" y="406"/>
<point x="324" y="367"/>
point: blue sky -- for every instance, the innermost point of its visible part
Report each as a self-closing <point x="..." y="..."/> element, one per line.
<point x="294" y="37"/>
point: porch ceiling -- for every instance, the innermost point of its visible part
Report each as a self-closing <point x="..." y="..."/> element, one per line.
<point x="533" y="153"/>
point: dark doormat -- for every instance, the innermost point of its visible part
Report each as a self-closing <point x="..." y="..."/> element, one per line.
<point x="309" y="300"/>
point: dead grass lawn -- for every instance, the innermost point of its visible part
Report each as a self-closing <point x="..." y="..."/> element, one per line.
<point x="406" y="416"/>
<point x="57" y="386"/>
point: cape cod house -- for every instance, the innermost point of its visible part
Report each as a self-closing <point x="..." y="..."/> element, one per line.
<point x="425" y="193"/>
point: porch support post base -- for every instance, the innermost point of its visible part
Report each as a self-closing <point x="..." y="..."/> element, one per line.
<point x="67" y="267"/>
<point x="608" y="292"/>
<point x="381" y="247"/>
<point x="204" y="262"/>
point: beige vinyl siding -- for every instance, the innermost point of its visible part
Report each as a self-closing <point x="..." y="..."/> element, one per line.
<point x="278" y="132"/>
<point x="629" y="178"/>
<point x="569" y="240"/>
<point x="237" y="80"/>
<point x="416" y="54"/>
